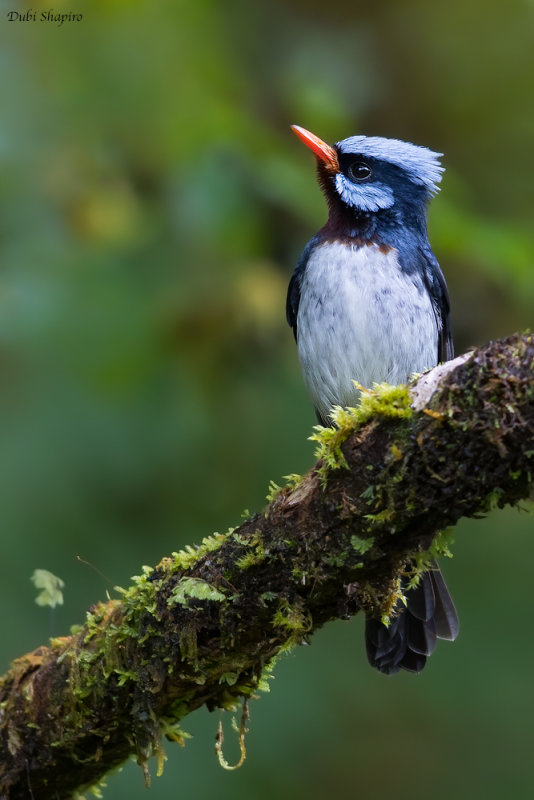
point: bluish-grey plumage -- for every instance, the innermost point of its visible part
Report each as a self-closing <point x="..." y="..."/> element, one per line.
<point x="352" y="328"/>
<point x="368" y="303"/>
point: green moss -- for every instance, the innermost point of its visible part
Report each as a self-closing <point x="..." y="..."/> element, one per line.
<point x="194" y="589"/>
<point x="267" y="675"/>
<point x="381" y="401"/>
<point x="381" y="517"/>
<point x="336" y="561"/>
<point x="125" y="675"/>
<point x="186" y="558"/>
<point x="251" y="559"/>
<point x="293" y="480"/>
<point x="362" y="545"/>
<point x="255" y="551"/>
<point x="170" y="728"/>
<point x="273" y="492"/>
<point x="368" y="494"/>
<point x="295" y="620"/>
<point x="493" y="499"/>
<point x="389" y="605"/>
<point x="229" y="677"/>
<point x="299" y="574"/>
<point x="441" y="546"/>
<point x="102" y="651"/>
<point x="188" y="647"/>
<point x="423" y="561"/>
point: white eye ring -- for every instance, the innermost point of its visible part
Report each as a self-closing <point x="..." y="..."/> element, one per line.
<point x="359" y="171"/>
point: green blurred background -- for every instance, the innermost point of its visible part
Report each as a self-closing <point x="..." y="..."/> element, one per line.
<point x="153" y="204"/>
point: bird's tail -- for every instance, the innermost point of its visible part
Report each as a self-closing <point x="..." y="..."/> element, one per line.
<point x="411" y="635"/>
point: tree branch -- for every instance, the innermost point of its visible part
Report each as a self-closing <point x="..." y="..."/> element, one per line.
<point x="204" y="626"/>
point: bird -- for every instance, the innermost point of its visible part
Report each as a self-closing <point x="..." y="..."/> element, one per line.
<point x="368" y="303"/>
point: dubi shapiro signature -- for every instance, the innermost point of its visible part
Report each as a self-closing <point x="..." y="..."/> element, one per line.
<point x="43" y="16"/>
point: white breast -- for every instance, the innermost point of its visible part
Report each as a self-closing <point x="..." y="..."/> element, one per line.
<point x="361" y="318"/>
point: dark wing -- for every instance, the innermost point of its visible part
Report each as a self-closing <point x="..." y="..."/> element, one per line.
<point x="293" y="292"/>
<point x="437" y="289"/>
<point x="293" y="300"/>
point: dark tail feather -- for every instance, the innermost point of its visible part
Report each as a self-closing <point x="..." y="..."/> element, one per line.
<point x="446" y="618"/>
<point x="422" y="638"/>
<point x="411" y="636"/>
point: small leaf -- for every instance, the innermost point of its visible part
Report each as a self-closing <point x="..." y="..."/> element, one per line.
<point x="50" y="588"/>
<point x="188" y="588"/>
<point x="362" y="545"/>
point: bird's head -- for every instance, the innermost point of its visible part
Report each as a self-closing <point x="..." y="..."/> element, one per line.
<point x="367" y="174"/>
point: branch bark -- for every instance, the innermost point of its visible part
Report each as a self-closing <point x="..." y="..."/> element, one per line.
<point x="204" y="626"/>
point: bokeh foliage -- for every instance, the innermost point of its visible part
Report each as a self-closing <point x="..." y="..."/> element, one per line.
<point x="153" y="205"/>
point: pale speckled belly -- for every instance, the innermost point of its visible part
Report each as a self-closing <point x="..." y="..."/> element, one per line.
<point x="361" y="317"/>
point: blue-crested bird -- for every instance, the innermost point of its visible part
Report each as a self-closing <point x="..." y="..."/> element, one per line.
<point x="368" y="303"/>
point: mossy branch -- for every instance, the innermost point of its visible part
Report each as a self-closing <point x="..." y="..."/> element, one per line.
<point x="204" y="626"/>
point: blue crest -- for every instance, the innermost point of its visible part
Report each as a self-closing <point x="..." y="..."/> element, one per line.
<point x="422" y="166"/>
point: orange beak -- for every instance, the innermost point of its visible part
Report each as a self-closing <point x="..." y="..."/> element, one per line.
<point x="324" y="152"/>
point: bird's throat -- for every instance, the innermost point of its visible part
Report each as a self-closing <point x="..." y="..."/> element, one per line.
<point x="344" y="222"/>
<point x="347" y="223"/>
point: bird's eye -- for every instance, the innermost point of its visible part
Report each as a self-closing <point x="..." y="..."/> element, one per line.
<point x="359" y="171"/>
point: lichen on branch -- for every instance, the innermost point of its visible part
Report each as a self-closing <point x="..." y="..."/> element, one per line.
<point x="205" y="625"/>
